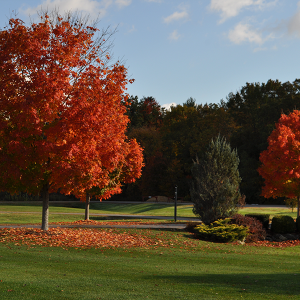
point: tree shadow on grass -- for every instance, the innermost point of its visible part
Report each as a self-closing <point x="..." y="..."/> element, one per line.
<point x="123" y="207"/>
<point x="277" y="284"/>
<point x="106" y="218"/>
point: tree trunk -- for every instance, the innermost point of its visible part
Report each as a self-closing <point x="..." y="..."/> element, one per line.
<point x="45" y="213"/>
<point x="87" y="207"/>
<point x="298" y="210"/>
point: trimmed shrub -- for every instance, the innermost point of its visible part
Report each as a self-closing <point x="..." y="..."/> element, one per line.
<point x="221" y="231"/>
<point x="283" y="224"/>
<point x="263" y="218"/>
<point x="190" y="226"/>
<point x="298" y="224"/>
<point x="256" y="232"/>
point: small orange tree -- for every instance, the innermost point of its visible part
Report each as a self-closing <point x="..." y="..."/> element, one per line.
<point x="281" y="161"/>
<point x="62" y="113"/>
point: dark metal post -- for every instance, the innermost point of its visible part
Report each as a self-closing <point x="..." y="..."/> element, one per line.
<point x="175" y="206"/>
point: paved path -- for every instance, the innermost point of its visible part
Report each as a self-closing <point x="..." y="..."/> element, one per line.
<point x="178" y="226"/>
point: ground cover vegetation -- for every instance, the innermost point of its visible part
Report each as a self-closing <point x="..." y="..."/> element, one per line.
<point x="141" y="264"/>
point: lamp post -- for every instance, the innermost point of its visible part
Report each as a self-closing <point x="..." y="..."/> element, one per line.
<point x="175" y="204"/>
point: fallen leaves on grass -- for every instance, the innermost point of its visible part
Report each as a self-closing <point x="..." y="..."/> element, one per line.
<point x="96" y="238"/>
<point x="76" y="238"/>
<point x="289" y="243"/>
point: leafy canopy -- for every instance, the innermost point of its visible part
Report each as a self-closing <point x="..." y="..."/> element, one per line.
<point x="281" y="161"/>
<point x="62" y="112"/>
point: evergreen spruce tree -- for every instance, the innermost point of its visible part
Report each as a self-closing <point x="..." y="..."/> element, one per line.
<point x="214" y="187"/>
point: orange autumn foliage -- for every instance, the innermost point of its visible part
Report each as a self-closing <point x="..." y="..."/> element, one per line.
<point x="281" y="161"/>
<point x="62" y="112"/>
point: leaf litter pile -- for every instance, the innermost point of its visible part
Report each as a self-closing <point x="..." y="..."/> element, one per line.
<point x="94" y="237"/>
<point x="76" y="238"/>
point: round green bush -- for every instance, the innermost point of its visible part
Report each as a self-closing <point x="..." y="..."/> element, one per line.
<point x="221" y="231"/>
<point x="283" y="224"/>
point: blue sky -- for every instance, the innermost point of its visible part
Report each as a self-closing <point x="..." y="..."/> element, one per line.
<point x="205" y="49"/>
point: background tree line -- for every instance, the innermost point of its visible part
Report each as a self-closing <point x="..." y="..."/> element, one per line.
<point x="172" y="139"/>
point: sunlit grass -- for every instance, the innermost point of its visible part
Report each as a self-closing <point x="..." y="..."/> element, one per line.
<point x="191" y="269"/>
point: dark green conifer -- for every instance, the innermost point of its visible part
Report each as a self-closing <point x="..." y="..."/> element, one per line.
<point x="214" y="187"/>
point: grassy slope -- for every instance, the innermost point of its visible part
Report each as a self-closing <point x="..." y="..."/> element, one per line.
<point x="209" y="271"/>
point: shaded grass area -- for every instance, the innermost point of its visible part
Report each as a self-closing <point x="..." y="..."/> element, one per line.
<point x="153" y="209"/>
<point x="35" y="218"/>
<point x="204" y="271"/>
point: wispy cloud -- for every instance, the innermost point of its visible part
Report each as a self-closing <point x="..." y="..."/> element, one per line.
<point x="174" y="35"/>
<point x="177" y="15"/>
<point x="157" y="1"/>
<point x="293" y="24"/>
<point x="132" y="29"/>
<point x="231" y="8"/>
<point x="92" y="7"/>
<point x="244" y="33"/>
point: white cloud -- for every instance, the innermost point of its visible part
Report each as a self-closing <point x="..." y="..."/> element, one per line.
<point x="231" y="8"/>
<point x="156" y="1"/>
<point x="177" y="15"/>
<point x="174" y="35"/>
<point x="244" y="33"/>
<point x="168" y="105"/>
<point x="123" y="3"/>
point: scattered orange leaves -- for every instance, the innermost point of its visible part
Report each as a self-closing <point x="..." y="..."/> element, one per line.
<point x="84" y="238"/>
<point x="96" y="237"/>
<point x="289" y="243"/>
<point x="77" y="238"/>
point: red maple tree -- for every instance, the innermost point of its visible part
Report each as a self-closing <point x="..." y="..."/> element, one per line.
<point x="62" y="113"/>
<point x="281" y="161"/>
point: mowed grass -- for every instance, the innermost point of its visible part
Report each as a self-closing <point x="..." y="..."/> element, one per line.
<point x="30" y="213"/>
<point x="153" y="209"/>
<point x="26" y="213"/>
<point x="202" y="271"/>
<point x="270" y="210"/>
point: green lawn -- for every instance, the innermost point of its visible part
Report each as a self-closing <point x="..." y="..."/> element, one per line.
<point x="269" y="210"/>
<point x="205" y="271"/>
<point x="32" y="213"/>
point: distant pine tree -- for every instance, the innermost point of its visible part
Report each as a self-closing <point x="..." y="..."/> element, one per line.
<point x="214" y="187"/>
